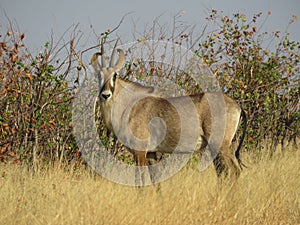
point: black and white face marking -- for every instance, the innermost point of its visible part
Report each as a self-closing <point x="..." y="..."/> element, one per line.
<point x="107" y="75"/>
<point x="108" y="88"/>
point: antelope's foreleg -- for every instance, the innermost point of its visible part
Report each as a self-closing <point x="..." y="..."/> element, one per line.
<point x="141" y="163"/>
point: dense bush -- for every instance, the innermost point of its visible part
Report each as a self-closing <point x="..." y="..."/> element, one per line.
<point x="261" y="71"/>
<point x="35" y="109"/>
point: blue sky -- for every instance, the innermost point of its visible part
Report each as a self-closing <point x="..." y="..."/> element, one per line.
<point x="38" y="18"/>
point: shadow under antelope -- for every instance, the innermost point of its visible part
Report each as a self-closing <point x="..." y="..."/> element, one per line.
<point x="145" y="122"/>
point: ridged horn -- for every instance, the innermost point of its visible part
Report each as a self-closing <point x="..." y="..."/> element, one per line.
<point x="102" y="56"/>
<point x="121" y="61"/>
<point x="113" y="54"/>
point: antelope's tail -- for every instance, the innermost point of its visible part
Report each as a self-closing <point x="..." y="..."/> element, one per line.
<point x="237" y="152"/>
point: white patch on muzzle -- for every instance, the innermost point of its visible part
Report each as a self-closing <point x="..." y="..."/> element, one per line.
<point x="106" y="95"/>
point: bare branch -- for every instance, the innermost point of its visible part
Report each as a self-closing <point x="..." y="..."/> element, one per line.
<point x="121" y="21"/>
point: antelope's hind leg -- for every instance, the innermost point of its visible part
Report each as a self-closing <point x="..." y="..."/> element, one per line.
<point x="226" y="168"/>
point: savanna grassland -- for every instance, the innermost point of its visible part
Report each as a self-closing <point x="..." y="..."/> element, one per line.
<point x="268" y="192"/>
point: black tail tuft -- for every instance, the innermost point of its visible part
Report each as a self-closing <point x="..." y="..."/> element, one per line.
<point x="237" y="152"/>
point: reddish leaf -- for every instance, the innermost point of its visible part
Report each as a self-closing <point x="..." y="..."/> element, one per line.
<point x="22" y="37"/>
<point x="29" y="76"/>
<point x="4" y="148"/>
<point x="12" y="154"/>
<point x="16" y="48"/>
<point x="17" y="161"/>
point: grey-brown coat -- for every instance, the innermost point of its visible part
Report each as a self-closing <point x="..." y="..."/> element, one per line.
<point x="146" y="122"/>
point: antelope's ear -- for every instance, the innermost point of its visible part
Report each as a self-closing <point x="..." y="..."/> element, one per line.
<point x="113" y="79"/>
<point x="115" y="76"/>
<point x="95" y="63"/>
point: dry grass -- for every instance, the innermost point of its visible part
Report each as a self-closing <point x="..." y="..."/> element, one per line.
<point x="267" y="193"/>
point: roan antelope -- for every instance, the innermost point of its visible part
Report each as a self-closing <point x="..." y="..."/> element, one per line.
<point x="153" y="123"/>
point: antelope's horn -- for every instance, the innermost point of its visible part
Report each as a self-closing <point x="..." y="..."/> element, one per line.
<point x="102" y="56"/>
<point x="121" y="61"/>
<point x="113" y="54"/>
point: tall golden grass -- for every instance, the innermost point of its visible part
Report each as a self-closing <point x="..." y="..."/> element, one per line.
<point x="268" y="192"/>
